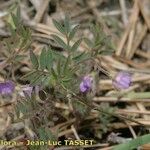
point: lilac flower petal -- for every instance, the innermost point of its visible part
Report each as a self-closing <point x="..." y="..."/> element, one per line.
<point x="7" y="88"/>
<point x="87" y="81"/>
<point x="86" y="84"/>
<point x="122" y="80"/>
<point x="82" y="87"/>
<point x="28" y="90"/>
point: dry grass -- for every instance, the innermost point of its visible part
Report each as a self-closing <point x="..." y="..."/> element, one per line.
<point x="128" y="24"/>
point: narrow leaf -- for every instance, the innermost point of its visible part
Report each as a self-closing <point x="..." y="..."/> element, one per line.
<point x="67" y="24"/>
<point x="49" y="60"/>
<point x="18" y="13"/>
<point x="19" y="57"/>
<point x="135" y="143"/>
<point x="54" y="73"/>
<point x="66" y="79"/>
<point x="58" y="26"/>
<point x="76" y="45"/>
<point x="51" y="136"/>
<point x="43" y="59"/>
<point x="59" y="67"/>
<point x="34" y="60"/>
<point x="46" y="80"/>
<point x="66" y="64"/>
<point x="42" y="134"/>
<point x="88" y="42"/>
<point x="12" y="29"/>
<point x="106" y="52"/>
<point x="37" y="80"/>
<point x="81" y="57"/>
<point x="13" y="21"/>
<point x="27" y="76"/>
<point x="73" y="32"/>
<point x="60" y="42"/>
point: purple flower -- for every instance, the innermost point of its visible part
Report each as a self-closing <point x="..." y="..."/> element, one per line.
<point x="86" y="84"/>
<point x="28" y="90"/>
<point x="122" y="80"/>
<point x="7" y="88"/>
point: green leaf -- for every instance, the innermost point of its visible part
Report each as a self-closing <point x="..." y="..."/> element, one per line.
<point x="27" y="76"/>
<point x="66" y="79"/>
<point x="76" y="45"/>
<point x="96" y="29"/>
<point x="106" y="52"/>
<point x="59" y="26"/>
<point x="13" y="21"/>
<point x="73" y="32"/>
<point x="54" y="74"/>
<point x="80" y="108"/>
<point x="52" y="81"/>
<point x="8" y="46"/>
<point x="34" y="60"/>
<point x="46" y="80"/>
<point x="51" y="136"/>
<point x="42" y="134"/>
<point x="34" y="77"/>
<point x="25" y="106"/>
<point x="12" y="29"/>
<point x="80" y="56"/>
<point x="49" y="60"/>
<point x="18" y="14"/>
<point x="67" y="24"/>
<point x="59" y="67"/>
<point x="66" y="64"/>
<point x="88" y="42"/>
<point x="22" y="108"/>
<point x="135" y="143"/>
<point x="20" y="57"/>
<point x="60" y="42"/>
<point x="43" y="58"/>
<point x="58" y="55"/>
<point x="37" y="80"/>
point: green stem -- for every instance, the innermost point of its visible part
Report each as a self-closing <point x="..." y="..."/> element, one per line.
<point x="101" y="111"/>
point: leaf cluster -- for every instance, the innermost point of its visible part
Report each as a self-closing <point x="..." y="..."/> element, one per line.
<point x="62" y="71"/>
<point x="52" y="67"/>
<point x="101" y="43"/>
<point x="20" y="39"/>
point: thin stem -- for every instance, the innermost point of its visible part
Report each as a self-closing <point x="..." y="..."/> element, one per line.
<point x="101" y="69"/>
<point x="102" y="111"/>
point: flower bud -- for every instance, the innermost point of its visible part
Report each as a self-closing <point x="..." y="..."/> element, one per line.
<point x="86" y="84"/>
<point x="122" y="80"/>
<point x="7" y="88"/>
